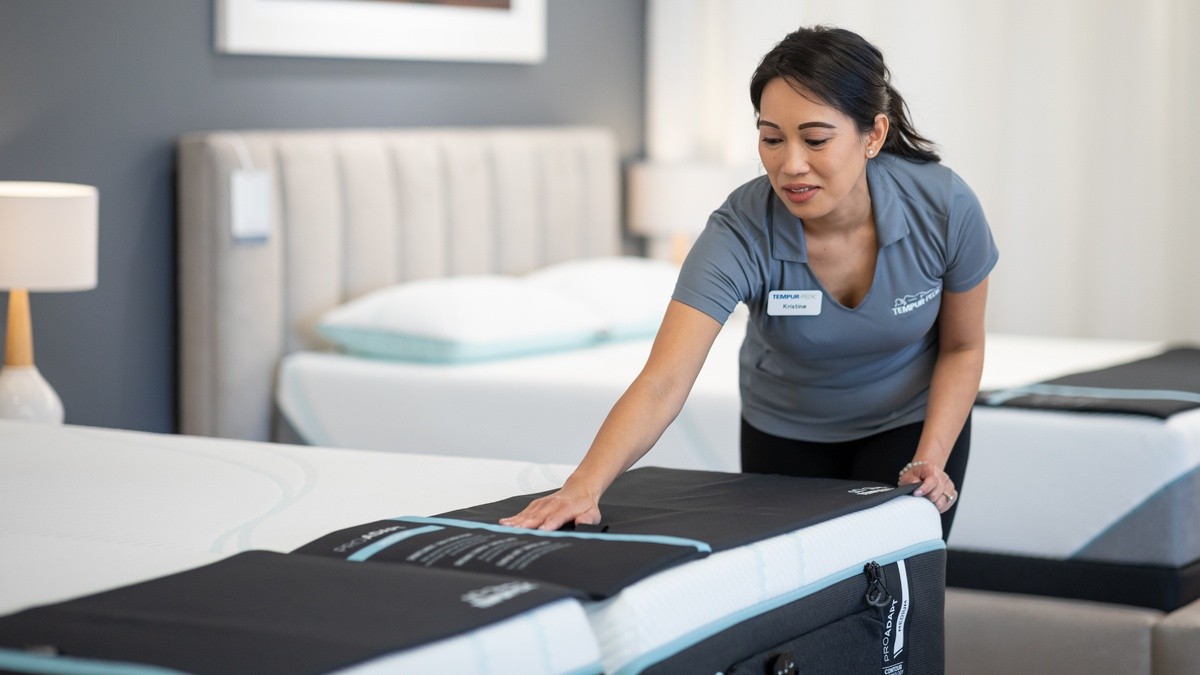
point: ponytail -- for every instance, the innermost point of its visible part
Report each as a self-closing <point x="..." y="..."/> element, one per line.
<point x="902" y="138"/>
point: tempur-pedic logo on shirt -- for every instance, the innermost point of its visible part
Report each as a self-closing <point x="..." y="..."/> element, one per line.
<point x="910" y="302"/>
<point x="490" y="596"/>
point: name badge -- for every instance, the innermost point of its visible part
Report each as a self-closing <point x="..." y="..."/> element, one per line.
<point x="794" y="303"/>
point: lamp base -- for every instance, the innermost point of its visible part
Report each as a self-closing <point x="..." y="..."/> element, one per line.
<point x="26" y="395"/>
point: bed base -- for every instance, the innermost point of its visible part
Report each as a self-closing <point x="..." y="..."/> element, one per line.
<point x="1154" y="587"/>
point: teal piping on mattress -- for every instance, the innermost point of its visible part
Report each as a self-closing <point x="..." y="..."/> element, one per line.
<point x="701" y="546"/>
<point x="694" y="636"/>
<point x="366" y="552"/>
<point x="1004" y="395"/>
<point x="12" y="660"/>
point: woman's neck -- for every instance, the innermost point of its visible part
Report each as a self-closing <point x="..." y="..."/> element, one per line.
<point x="850" y="216"/>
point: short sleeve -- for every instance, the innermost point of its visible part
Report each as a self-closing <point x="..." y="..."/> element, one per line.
<point x="971" y="251"/>
<point x="721" y="266"/>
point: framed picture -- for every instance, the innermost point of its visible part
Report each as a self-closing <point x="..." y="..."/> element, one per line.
<point x="511" y="31"/>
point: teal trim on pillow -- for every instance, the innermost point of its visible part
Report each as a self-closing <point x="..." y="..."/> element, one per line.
<point x="384" y="345"/>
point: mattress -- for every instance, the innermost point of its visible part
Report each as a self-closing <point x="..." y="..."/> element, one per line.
<point x="1106" y="506"/>
<point x="751" y="593"/>
<point x="1099" y="477"/>
<point x="654" y="624"/>
<point x="89" y="512"/>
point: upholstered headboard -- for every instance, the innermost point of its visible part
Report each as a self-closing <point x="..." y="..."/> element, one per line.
<point x="349" y="211"/>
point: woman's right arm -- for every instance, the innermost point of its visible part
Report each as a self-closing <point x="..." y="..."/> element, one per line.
<point x="635" y="423"/>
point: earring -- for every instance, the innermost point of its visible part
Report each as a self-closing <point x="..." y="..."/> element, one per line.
<point x="870" y="153"/>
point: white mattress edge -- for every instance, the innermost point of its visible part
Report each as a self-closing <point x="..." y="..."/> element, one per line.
<point x="518" y="644"/>
<point x="662" y="614"/>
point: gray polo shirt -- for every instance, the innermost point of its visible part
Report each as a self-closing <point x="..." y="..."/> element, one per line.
<point x="811" y="368"/>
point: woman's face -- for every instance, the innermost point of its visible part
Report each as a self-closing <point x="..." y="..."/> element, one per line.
<point x="814" y="155"/>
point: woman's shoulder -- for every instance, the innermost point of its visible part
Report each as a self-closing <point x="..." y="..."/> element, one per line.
<point x="913" y="170"/>
<point x="922" y="184"/>
<point x="746" y="207"/>
<point x="738" y="229"/>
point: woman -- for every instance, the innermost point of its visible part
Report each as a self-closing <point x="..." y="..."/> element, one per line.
<point x="864" y="264"/>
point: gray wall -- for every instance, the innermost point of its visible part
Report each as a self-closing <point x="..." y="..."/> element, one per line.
<point x="97" y="92"/>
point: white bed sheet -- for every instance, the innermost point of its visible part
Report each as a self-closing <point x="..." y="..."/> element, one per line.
<point x="543" y="408"/>
<point x="1038" y="483"/>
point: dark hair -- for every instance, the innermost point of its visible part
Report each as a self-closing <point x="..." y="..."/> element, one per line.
<point x="847" y="73"/>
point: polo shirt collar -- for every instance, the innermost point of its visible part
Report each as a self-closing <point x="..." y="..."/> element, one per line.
<point x="891" y="221"/>
<point x="891" y="218"/>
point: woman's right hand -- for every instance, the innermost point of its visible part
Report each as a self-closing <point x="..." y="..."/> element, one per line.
<point x="568" y="505"/>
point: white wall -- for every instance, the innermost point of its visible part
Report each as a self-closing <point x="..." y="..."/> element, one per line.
<point x="1071" y="119"/>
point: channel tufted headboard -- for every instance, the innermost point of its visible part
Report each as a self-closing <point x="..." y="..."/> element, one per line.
<point x="349" y="211"/>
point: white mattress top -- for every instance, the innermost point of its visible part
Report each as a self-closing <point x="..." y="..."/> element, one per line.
<point x="85" y="509"/>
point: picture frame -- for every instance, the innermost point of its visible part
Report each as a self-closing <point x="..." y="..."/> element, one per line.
<point x="384" y="29"/>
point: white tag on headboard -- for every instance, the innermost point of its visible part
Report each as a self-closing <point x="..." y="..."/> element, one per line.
<point x="250" y="206"/>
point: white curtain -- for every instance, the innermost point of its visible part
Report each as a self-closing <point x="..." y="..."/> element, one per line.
<point x="1075" y="121"/>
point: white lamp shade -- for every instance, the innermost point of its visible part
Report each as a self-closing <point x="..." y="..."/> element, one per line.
<point x="48" y="236"/>
<point x="670" y="198"/>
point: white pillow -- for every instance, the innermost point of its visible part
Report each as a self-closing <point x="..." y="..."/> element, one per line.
<point x="631" y="294"/>
<point x="461" y="319"/>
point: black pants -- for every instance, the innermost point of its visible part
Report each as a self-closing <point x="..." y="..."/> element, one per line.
<point x="875" y="458"/>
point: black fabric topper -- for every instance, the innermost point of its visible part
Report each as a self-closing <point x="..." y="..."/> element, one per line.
<point x="262" y="612"/>
<point x="726" y="510"/>
<point x="1157" y="386"/>
<point x="597" y="564"/>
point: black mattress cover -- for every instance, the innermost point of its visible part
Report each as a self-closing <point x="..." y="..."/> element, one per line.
<point x="725" y="510"/>
<point x="1157" y="386"/>
<point x="265" y="612"/>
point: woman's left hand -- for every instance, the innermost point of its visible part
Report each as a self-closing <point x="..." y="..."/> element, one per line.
<point x="936" y="486"/>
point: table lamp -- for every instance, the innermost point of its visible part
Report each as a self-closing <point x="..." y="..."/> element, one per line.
<point x="48" y="241"/>
<point x="669" y="202"/>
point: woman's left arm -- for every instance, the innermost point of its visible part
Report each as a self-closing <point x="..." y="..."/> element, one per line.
<point x="951" y="393"/>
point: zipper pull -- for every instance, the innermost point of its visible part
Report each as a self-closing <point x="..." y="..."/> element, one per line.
<point x="877" y="592"/>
